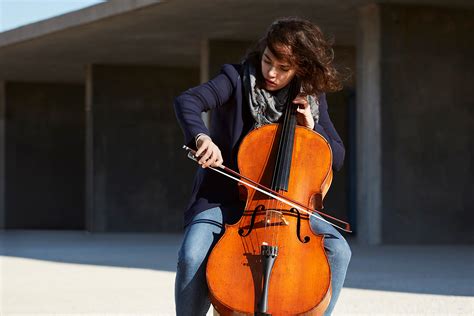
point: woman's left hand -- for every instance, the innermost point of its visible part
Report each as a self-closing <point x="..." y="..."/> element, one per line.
<point x="304" y="116"/>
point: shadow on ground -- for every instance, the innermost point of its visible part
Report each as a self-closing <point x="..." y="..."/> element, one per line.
<point x="442" y="270"/>
<point x="143" y="251"/>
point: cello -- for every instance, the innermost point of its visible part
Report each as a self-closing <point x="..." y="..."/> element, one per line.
<point x="271" y="262"/>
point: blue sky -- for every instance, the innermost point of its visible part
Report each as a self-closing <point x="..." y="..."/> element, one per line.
<point x="15" y="13"/>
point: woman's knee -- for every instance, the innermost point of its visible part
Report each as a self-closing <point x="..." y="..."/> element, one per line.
<point x="345" y="251"/>
<point x="190" y="259"/>
<point x="200" y="236"/>
<point x="339" y="249"/>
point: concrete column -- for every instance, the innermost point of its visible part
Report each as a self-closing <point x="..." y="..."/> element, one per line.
<point x="138" y="177"/>
<point x="368" y="130"/>
<point x="92" y="223"/>
<point x="2" y="155"/>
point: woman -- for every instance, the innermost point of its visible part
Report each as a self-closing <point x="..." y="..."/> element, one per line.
<point x="243" y="97"/>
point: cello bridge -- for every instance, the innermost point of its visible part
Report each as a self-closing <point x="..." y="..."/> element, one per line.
<point x="275" y="217"/>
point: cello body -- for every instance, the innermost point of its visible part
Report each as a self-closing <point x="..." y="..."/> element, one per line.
<point x="271" y="262"/>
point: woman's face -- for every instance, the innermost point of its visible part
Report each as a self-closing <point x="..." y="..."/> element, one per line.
<point x="277" y="73"/>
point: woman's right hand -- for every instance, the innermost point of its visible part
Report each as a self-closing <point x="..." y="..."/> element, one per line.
<point x="208" y="154"/>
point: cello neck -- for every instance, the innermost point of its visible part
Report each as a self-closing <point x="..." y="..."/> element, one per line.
<point x="281" y="173"/>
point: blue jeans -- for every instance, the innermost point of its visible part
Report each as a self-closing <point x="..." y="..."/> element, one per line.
<point x="191" y="292"/>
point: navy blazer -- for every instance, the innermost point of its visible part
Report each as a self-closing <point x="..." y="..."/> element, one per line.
<point x="230" y="122"/>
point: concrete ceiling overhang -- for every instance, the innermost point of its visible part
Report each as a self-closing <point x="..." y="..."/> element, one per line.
<point x="167" y="33"/>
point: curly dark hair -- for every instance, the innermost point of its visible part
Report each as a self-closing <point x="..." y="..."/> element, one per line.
<point x="302" y="44"/>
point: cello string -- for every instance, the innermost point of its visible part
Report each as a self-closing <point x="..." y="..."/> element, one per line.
<point x="288" y="128"/>
<point x="290" y="136"/>
<point x="279" y="218"/>
<point x="277" y="174"/>
<point x="284" y="156"/>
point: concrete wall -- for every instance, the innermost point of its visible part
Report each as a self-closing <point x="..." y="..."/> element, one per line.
<point x="226" y="51"/>
<point x="368" y="127"/>
<point x="44" y="156"/>
<point x="138" y="177"/>
<point x="428" y="124"/>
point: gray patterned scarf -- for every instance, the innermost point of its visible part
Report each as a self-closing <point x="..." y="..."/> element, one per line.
<point x="267" y="107"/>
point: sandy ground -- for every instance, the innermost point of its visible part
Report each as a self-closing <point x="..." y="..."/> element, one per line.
<point x="78" y="273"/>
